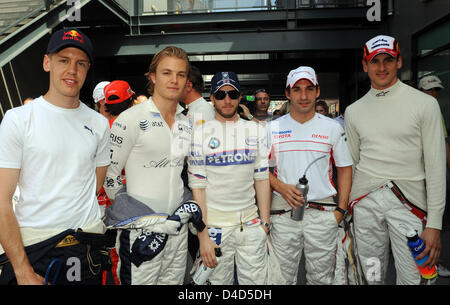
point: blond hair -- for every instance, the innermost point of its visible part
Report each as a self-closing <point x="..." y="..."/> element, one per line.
<point x="167" y="51"/>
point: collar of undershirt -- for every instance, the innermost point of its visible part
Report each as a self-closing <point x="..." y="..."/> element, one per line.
<point x="386" y="93"/>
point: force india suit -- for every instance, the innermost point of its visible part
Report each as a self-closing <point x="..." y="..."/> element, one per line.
<point x="293" y="147"/>
<point x="225" y="159"/>
<point x="153" y="157"/>
<point x="405" y="150"/>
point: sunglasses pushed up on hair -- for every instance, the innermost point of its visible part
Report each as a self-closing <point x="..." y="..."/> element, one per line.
<point x="221" y="94"/>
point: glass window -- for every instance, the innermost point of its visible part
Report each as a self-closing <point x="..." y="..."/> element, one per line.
<point x="439" y="64"/>
<point x="434" y="38"/>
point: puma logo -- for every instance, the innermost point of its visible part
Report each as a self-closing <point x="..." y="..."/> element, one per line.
<point x="85" y="127"/>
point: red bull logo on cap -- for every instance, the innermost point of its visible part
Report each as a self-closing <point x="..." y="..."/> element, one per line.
<point x="74" y="35"/>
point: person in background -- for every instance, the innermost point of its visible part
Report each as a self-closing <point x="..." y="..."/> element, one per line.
<point x="262" y="100"/>
<point x="139" y="99"/>
<point x="199" y="110"/>
<point x="118" y="98"/>
<point x="27" y="100"/>
<point x="257" y="111"/>
<point x="432" y="85"/>
<point x="322" y="108"/>
<point x="285" y="108"/>
<point x="340" y="117"/>
<point x="99" y="98"/>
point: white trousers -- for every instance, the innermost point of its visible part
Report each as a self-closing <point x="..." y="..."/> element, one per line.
<point x="317" y="234"/>
<point x="379" y="218"/>
<point x="244" y="248"/>
<point x="167" y="268"/>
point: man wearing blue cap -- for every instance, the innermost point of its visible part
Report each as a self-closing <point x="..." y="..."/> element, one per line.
<point x="228" y="166"/>
<point x="56" y="149"/>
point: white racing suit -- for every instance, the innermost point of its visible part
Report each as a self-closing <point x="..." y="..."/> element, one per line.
<point x="242" y="241"/>
<point x="295" y="148"/>
<point x="348" y="255"/>
<point x="145" y="239"/>
<point x="316" y="235"/>
<point x="153" y="156"/>
<point x="383" y="210"/>
<point x="225" y="160"/>
<point x="162" y="270"/>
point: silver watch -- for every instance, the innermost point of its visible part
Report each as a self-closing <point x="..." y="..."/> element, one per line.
<point x="250" y="117"/>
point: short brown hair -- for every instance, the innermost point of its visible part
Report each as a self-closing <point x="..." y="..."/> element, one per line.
<point x="167" y="51"/>
<point x="196" y="78"/>
<point x="323" y="104"/>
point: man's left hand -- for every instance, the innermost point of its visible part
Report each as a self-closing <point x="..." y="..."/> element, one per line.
<point x="338" y="216"/>
<point x="432" y="239"/>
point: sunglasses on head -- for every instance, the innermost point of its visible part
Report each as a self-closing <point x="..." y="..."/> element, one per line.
<point x="221" y="94"/>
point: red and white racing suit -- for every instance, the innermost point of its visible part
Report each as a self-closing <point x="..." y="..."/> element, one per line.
<point x="293" y="147"/>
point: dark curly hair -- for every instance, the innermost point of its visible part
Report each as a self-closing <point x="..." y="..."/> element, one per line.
<point x="116" y="109"/>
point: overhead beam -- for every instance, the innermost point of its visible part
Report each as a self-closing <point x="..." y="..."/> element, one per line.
<point x="252" y="16"/>
<point x="236" y="42"/>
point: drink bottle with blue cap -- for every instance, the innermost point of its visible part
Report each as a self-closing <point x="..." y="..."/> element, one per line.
<point x="417" y="245"/>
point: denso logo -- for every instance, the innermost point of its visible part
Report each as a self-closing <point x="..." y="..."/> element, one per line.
<point x="319" y="136"/>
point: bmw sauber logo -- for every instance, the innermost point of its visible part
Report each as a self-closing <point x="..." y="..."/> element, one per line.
<point x="214" y="143"/>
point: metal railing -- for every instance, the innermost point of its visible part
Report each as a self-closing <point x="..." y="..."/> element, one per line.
<point x="165" y="7"/>
<point x="330" y="3"/>
<point x="15" y="12"/>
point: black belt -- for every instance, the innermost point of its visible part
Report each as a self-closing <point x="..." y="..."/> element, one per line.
<point x="311" y="204"/>
<point x="278" y="212"/>
<point x="320" y="205"/>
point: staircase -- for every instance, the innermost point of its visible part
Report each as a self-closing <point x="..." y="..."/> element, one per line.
<point x="16" y="13"/>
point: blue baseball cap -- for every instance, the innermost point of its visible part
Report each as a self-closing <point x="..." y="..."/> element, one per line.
<point x="72" y="37"/>
<point x="221" y="79"/>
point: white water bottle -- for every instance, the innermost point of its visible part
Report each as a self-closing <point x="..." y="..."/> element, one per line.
<point x="202" y="274"/>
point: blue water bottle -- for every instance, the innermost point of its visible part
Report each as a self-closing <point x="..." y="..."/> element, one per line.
<point x="417" y="245"/>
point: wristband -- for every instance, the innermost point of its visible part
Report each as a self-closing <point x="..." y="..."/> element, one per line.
<point x="342" y="211"/>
